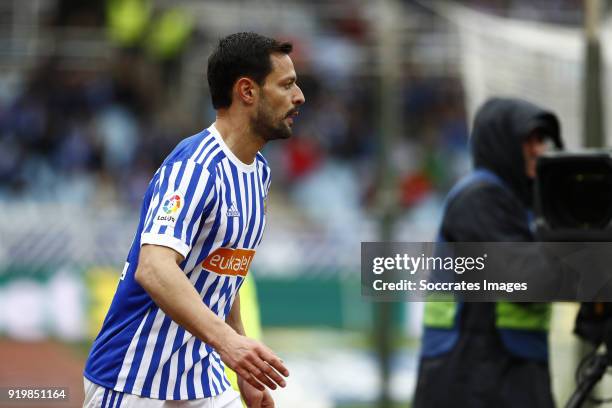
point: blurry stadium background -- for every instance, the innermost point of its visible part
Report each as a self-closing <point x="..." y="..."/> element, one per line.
<point x="94" y="94"/>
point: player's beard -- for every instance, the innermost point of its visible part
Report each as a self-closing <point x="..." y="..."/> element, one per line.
<point x="266" y="125"/>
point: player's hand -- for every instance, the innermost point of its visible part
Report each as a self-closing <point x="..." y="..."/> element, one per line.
<point x="253" y="361"/>
<point x="253" y="397"/>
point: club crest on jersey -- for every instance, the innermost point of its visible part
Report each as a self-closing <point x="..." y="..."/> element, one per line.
<point x="232" y="211"/>
<point x="170" y="208"/>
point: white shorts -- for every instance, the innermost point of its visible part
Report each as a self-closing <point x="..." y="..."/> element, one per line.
<point x="97" y="396"/>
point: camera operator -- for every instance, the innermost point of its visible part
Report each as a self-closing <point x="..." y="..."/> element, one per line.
<point x="491" y="354"/>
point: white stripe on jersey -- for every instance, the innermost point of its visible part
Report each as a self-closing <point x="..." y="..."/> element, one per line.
<point x="229" y="180"/>
<point x="245" y="211"/>
<point x="250" y="206"/>
<point x="258" y="215"/>
<point x="188" y="363"/>
<point x="218" y="372"/>
<point x="197" y="248"/>
<point x="197" y="372"/>
<point x="165" y="355"/>
<point x="129" y="356"/>
<point x="204" y="147"/>
<point x="156" y="197"/>
<point x="148" y="353"/>
<point x="173" y="367"/>
<point x="193" y="202"/>
<point x="208" y="154"/>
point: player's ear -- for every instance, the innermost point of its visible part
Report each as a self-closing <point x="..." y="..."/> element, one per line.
<point x="246" y="90"/>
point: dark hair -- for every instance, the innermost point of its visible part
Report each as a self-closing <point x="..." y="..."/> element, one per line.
<point x="240" y="55"/>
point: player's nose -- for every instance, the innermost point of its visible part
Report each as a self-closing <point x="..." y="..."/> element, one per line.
<point x="298" y="97"/>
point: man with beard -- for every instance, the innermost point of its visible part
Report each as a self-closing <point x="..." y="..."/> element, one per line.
<point x="491" y="354"/>
<point x="175" y="317"/>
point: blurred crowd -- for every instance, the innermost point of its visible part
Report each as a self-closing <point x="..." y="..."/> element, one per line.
<point x="95" y="135"/>
<point x="567" y="12"/>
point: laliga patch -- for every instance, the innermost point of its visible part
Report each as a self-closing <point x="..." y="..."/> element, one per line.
<point x="170" y="208"/>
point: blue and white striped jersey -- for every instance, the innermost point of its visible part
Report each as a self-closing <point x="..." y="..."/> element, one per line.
<point x="209" y="206"/>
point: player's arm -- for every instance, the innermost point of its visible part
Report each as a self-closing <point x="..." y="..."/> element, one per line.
<point x="159" y="274"/>
<point x="234" y="319"/>
<point x="253" y="398"/>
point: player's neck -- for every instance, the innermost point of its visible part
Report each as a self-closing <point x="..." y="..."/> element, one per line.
<point x="238" y="136"/>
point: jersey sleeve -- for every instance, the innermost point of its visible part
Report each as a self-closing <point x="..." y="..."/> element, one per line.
<point x="267" y="179"/>
<point x="182" y="193"/>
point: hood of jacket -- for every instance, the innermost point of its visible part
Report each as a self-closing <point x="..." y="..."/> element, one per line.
<point x="500" y="127"/>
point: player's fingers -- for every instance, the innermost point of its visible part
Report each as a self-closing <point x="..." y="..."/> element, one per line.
<point x="274" y="361"/>
<point x="270" y="372"/>
<point x="244" y="373"/>
<point x="260" y="374"/>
